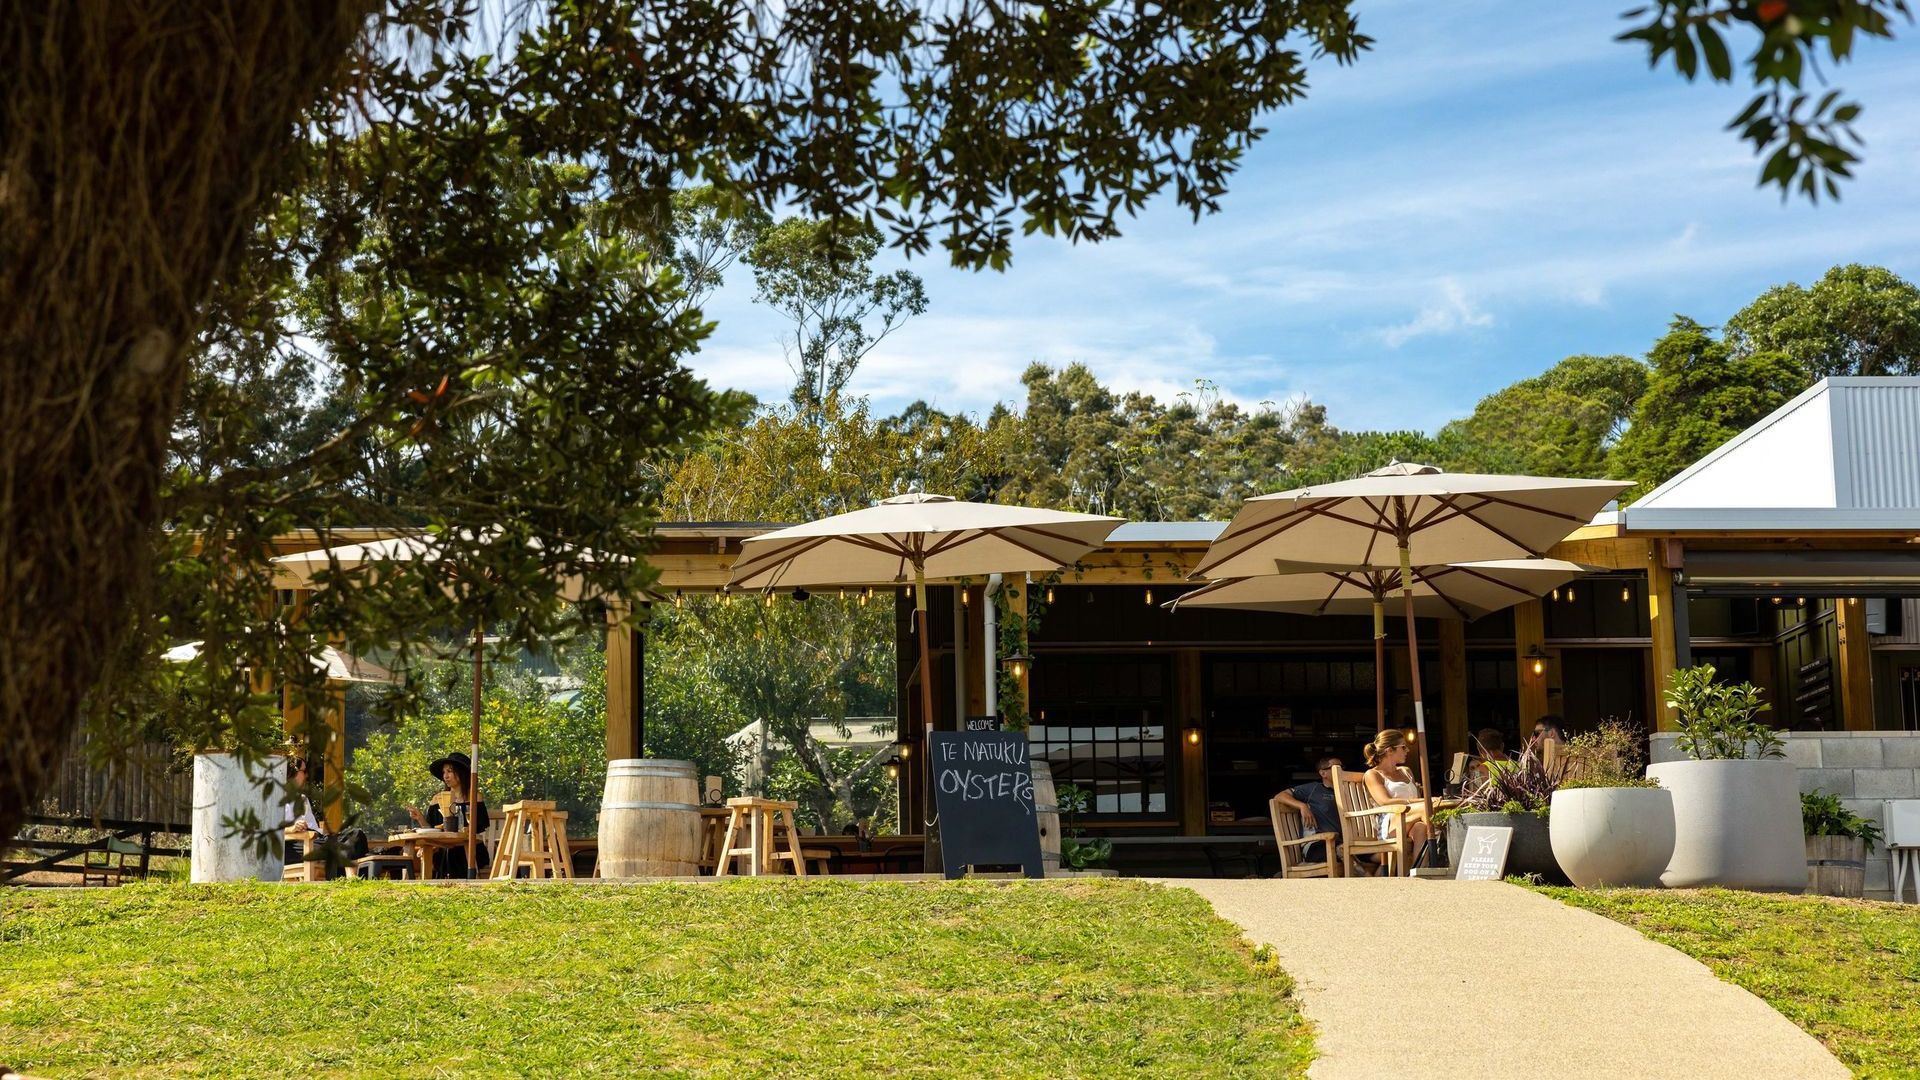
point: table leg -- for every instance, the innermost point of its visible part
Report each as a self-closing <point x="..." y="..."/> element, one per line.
<point x="724" y="865"/>
<point x="759" y="838"/>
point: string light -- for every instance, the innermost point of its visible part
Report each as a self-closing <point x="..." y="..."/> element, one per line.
<point x="766" y="599"/>
<point x="1556" y="595"/>
<point x="679" y="598"/>
<point x="726" y="599"/>
<point x="1626" y="594"/>
<point x="1049" y="594"/>
<point x="1149" y="596"/>
<point x="1569" y="594"/>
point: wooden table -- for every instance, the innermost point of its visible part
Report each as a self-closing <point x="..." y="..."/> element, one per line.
<point x="421" y="844"/>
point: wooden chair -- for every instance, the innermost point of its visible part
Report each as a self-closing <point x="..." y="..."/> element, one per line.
<point x="112" y="865"/>
<point x="1291" y="839"/>
<point x="1360" y="824"/>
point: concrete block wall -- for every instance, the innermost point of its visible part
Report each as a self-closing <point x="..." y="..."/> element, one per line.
<point x="1864" y="768"/>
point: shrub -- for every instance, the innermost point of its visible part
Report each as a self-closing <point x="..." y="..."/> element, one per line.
<point x="1717" y="719"/>
<point x="1521" y="786"/>
<point x="1823" y="815"/>
<point x="1610" y="756"/>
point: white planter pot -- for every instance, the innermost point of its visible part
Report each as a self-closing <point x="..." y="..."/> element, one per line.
<point x="1612" y="836"/>
<point x="1736" y="823"/>
<point x="222" y="789"/>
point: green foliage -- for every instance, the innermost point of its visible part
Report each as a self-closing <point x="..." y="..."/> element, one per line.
<point x="531" y="747"/>
<point x="1700" y="394"/>
<point x="1612" y="755"/>
<point x="1562" y="422"/>
<point x="1077" y="851"/>
<point x="1856" y="320"/>
<point x="1718" y="720"/>
<point x="1842" y="970"/>
<point x="1822" y="814"/>
<point x="874" y="979"/>
<point x="1524" y="785"/>
<point x="819" y="274"/>
<point x="1806" y="141"/>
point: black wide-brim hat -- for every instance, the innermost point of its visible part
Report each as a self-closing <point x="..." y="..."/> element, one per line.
<point x="457" y="759"/>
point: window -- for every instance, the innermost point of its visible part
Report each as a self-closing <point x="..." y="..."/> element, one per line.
<point x="1100" y="723"/>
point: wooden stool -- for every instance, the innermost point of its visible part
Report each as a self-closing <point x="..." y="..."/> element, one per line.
<point x="304" y="871"/>
<point x="534" y="836"/>
<point x="758" y="818"/>
<point x="713" y="831"/>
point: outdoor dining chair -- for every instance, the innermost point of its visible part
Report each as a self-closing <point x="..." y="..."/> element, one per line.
<point x="1291" y="839"/>
<point x="1360" y="825"/>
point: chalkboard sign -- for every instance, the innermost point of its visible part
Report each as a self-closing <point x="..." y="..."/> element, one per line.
<point x="1484" y="856"/>
<point x="983" y="792"/>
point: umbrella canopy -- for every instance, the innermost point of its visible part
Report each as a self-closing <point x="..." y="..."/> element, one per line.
<point x="1382" y="518"/>
<point x="914" y="537"/>
<point x="301" y="569"/>
<point x="1453" y="591"/>
<point x="1445" y="517"/>
<point x="341" y="667"/>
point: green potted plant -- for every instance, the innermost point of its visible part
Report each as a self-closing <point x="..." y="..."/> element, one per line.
<point x="1837" y="844"/>
<point x="1610" y="824"/>
<point x="1736" y="799"/>
<point x="1077" y="852"/>
<point x="1518" y="795"/>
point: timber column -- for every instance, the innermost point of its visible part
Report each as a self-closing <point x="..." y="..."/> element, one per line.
<point x="1856" y="664"/>
<point x="1529" y="642"/>
<point x="626" y="680"/>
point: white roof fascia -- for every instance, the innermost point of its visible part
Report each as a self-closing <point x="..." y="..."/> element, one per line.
<point x="1769" y="519"/>
<point x="1652" y="498"/>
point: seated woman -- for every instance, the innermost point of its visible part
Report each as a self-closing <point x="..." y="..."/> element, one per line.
<point x="302" y="828"/>
<point x="448" y="810"/>
<point x="1390" y="783"/>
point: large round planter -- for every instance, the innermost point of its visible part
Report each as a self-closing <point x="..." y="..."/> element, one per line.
<point x="1736" y="824"/>
<point x="1612" y="836"/>
<point x="1837" y="866"/>
<point x="224" y="790"/>
<point x="1531" y="851"/>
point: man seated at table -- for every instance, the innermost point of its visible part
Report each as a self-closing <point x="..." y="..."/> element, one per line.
<point x="1314" y="801"/>
<point x="448" y="810"/>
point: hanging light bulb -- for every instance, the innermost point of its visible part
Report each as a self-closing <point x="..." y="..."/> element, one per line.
<point x="1626" y="594"/>
<point x="1556" y="594"/>
<point x="966" y="596"/>
<point x="766" y="599"/>
<point x="1569" y="594"/>
<point x="1149" y="596"/>
<point x="1049" y="594"/>
<point x="679" y="598"/>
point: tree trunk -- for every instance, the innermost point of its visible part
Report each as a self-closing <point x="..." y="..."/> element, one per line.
<point x="138" y="139"/>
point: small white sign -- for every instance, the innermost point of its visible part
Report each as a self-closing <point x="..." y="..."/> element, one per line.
<point x="1484" y="856"/>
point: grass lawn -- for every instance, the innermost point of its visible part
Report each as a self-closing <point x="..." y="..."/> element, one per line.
<point x="1846" y="970"/>
<point x="729" y="979"/>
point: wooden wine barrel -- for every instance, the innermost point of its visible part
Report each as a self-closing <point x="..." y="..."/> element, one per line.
<point x="1836" y="866"/>
<point x="1046" y="807"/>
<point x="650" y="819"/>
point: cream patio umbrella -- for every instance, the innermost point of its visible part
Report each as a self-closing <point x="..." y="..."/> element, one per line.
<point x="340" y="666"/>
<point x="1450" y="591"/>
<point x="304" y="570"/>
<point x="913" y="538"/>
<point x="1378" y="520"/>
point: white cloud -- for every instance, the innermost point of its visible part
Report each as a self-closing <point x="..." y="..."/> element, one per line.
<point x="1450" y="314"/>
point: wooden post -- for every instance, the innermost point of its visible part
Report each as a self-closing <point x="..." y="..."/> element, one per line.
<point x="1456" y="727"/>
<point x="978" y="649"/>
<point x="1660" y="623"/>
<point x="1529" y="634"/>
<point x="1856" y="664"/>
<point x="1193" y="758"/>
<point x="626" y="682"/>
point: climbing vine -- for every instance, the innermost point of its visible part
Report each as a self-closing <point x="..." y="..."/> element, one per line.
<point x="1014" y="631"/>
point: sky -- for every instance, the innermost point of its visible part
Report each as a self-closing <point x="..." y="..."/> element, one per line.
<point x="1494" y="186"/>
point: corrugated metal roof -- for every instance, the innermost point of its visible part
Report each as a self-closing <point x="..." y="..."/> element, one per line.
<point x="1844" y="454"/>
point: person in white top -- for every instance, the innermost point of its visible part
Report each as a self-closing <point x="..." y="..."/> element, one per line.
<point x="1391" y="783"/>
<point x="299" y="812"/>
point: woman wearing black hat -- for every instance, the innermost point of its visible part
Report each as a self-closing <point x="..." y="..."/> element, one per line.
<point x="448" y="810"/>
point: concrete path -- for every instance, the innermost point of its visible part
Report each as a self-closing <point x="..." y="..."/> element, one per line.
<point x="1411" y="978"/>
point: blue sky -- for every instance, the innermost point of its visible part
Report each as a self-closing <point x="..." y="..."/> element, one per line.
<point x="1493" y="187"/>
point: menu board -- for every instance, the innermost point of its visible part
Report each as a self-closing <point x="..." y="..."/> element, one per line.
<point x="983" y="794"/>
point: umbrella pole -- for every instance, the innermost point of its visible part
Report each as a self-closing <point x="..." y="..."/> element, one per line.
<point x="473" y="752"/>
<point x="1379" y="661"/>
<point x="1413" y="666"/>
<point x="925" y="768"/>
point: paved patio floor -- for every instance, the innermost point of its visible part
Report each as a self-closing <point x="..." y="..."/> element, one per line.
<point x="1413" y="978"/>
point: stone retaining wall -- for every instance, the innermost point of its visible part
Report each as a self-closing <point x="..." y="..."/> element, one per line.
<point x="1864" y="768"/>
